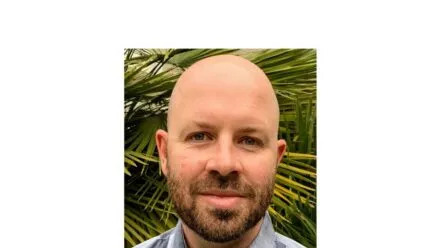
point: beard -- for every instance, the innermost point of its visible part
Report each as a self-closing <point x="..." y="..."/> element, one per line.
<point x="215" y="224"/>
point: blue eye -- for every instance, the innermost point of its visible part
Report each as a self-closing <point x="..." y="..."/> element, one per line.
<point x="198" y="136"/>
<point x="249" y="141"/>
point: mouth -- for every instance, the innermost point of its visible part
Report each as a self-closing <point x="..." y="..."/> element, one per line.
<point x="222" y="199"/>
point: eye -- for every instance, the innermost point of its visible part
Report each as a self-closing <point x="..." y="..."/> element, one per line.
<point x="199" y="136"/>
<point x="249" y="141"/>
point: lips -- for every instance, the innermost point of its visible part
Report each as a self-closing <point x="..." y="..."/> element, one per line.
<point x="222" y="199"/>
<point x="222" y="193"/>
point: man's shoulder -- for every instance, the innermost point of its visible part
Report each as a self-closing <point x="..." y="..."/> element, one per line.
<point x="160" y="241"/>
<point x="283" y="241"/>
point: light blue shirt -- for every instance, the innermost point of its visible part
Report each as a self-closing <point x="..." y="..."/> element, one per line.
<point x="267" y="238"/>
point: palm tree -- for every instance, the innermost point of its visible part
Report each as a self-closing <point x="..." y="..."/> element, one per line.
<point x="150" y="75"/>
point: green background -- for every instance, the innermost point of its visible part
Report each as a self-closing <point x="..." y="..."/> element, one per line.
<point x="150" y="75"/>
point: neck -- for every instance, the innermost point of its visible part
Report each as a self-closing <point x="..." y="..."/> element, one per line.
<point x="193" y="240"/>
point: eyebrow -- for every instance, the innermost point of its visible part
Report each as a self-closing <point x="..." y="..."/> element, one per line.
<point x="202" y="124"/>
<point x="250" y="130"/>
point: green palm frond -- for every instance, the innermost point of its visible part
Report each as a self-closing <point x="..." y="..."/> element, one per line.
<point x="150" y="75"/>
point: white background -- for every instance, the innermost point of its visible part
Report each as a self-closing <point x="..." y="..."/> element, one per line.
<point x="61" y="102"/>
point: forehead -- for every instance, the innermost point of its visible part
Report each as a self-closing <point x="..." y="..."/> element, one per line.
<point x="223" y="106"/>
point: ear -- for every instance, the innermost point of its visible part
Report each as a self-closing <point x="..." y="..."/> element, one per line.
<point x="281" y="149"/>
<point x="162" y="143"/>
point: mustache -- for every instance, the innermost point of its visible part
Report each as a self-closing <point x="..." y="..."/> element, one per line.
<point x="221" y="183"/>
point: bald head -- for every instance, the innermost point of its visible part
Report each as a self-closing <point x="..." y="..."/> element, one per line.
<point x="224" y="81"/>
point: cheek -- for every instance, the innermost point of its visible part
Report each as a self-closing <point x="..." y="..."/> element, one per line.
<point x="259" y="169"/>
<point x="186" y="165"/>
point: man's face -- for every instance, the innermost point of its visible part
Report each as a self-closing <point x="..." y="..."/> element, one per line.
<point x="222" y="155"/>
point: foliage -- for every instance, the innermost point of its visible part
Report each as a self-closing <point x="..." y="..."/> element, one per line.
<point x="150" y="75"/>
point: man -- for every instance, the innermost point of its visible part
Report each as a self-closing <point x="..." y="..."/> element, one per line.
<point x="220" y="156"/>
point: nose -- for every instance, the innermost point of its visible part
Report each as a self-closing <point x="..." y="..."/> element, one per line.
<point x="224" y="160"/>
